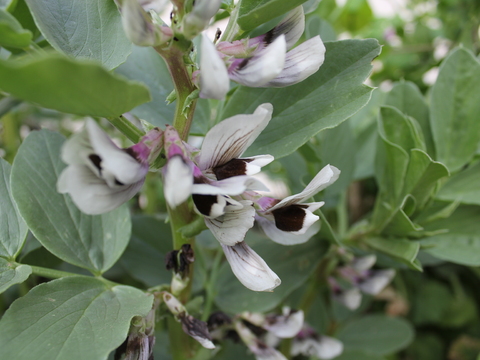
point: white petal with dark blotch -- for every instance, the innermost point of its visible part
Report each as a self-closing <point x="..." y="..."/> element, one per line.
<point x="214" y="80"/>
<point x="264" y="66"/>
<point x="116" y="163"/>
<point x="231" y="186"/>
<point x="377" y="281"/>
<point x="284" y="237"/>
<point x="285" y="326"/>
<point x="197" y="329"/>
<point x="177" y="181"/>
<point x="90" y="193"/>
<point x="230" y="228"/>
<point x="292" y="26"/>
<point x="77" y="148"/>
<point x="300" y="63"/>
<point x="323" y="347"/>
<point x="231" y="137"/>
<point x="255" y="164"/>
<point x="250" y="269"/>
<point x="325" y="177"/>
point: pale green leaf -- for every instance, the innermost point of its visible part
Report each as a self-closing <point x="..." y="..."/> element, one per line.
<point x="402" y="249"/>
<point x="91" y="242"/>
<point x="11" y="32"/>
<point x="90" y="89"/>
<point x="11" y="274"/>
<point x="253" y="13"/>
<point x="377" y="334"/>
<point x="407" y="98"/>
<point x="322" y="101"/>
<point x="455" y="108"/>
<point x="358" y="355"/>
<point x="77" y="318"/>
<point x="147" y="66"/>
<point x="463" y="186"/>
<point x="90" y="29"/>
<point x="13" y="229"/>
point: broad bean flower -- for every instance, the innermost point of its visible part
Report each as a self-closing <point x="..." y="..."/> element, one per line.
<point x="263" y="61"/>
<point x="100" y="176"/>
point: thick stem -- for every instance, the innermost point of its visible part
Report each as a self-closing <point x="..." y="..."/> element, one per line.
<point x="51" y="273"/>
<point x="127" y="128"/>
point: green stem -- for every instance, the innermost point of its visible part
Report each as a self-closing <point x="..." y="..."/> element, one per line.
<point x="50" y="273"/>
<point x="127" y="128"/>
<point x="7" y="104"/>
<point x="232" y="29"/>
<point x="211" y="285"/>
<point x="182" y="346"/>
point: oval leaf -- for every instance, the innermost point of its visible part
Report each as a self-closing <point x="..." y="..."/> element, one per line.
<point x="77" y="318"/>
<point x="91" y="242"/>
<point x="13" y="229"/>
<point x="90" y="29"/>
<point x="11" y="275"/>
<point x="322" y="101"/>
<point x="377" y="334"/>
<point x="11" y="32"/>
<point x="90" y="89"/>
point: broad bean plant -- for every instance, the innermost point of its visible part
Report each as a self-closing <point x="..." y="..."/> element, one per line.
<point x="181" y="180"/>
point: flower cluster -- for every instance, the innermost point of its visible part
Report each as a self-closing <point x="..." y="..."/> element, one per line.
<point x="224" y="192"/>
<point x="351" y="280"/>
<point x="267" y="60"/>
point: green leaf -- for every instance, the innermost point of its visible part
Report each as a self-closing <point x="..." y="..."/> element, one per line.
<point x="253" y="13"/>
<point x="315" y="25"/>
<point x="402" y="249"/>
<point x="358" y="355"/>
<point x="150" y="242"/>
<point x="355" y="15"/>
<point x="463" y="186"/>
<point x="422" y="176"/>
<point x="13" y="229"/>
<point x="11" y="32"/>
<point x="11" y="275"/>
<point x="407" y="98"/>
<point x="455" y="108"/>
<point x="90" y="89"/>
<point x="147" y="66"/>
<point x="77" y="318"/>
<point x="322" y="101"/>
<point x="293" y="264"/>
<point x="91" y="242"/>
<point x="377" y="334"/>
<point x="90" y="29"/>
<point x="461" y="244"/>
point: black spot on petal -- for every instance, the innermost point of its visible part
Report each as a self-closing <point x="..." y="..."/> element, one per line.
<point x="243" y="64"/>
<point x="204" y="203"/>
<point x="234" y="167"/>
<point x="119" y="183"/>
<point x="290" y="218"/>
<point x="96" y="161"/>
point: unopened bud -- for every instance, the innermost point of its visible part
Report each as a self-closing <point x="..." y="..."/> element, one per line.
<point x="199" y="18"/>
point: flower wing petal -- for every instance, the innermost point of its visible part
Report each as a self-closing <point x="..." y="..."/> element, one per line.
<point x="252" y="271"/>
<point x="178" y="181"/>
<point x="284" y="237"/>
<point x="230" y="138"/>
<point x="214" y="81"/>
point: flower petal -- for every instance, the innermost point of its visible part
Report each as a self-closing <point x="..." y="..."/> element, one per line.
<point x="284" y="237"/>
<point x="377" y="281"/>
<point x="285" y="326"/>
<point x="230" y="138"/>
<point x="244" y="166"/>
<point x="351" y="298"/>
<point x="327" y="176"/>
<point x="292" y="26"/>
<point x="300" y="63"/>
<point x="231" y="186"/>
<point x="115" y="162"/>
<point x="296" y="218"/>
<point x="196" y="329"/>
<point x="90" y="193"/>
<point x="252" y="271"/>
<point x="364" y="263"/>
<point x="214" y="81"/>
<point x="177" y="181"/>
<point x="230" y="228"/>
<point x="264" y="66"/>
<point x="323" y="347"/>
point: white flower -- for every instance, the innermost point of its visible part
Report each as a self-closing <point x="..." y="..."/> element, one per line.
<point x="290" y="221"/>
<point x="309" y="343"/>
<point x="100" y="176"/>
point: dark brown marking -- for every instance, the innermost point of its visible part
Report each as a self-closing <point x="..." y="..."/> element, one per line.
<point x="234" y="167"/>
<point x="290" y="218"/>
<point x="96" y="161"/>
<point x="204" y="203"/>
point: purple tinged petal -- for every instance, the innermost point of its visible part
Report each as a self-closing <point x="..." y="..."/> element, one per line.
<point x="214" y="80"/>
<point x="250" y="269"/>
<point x="264" y="66"/>
<point x="230" y="138"/>
<point x="300" y="63"/>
